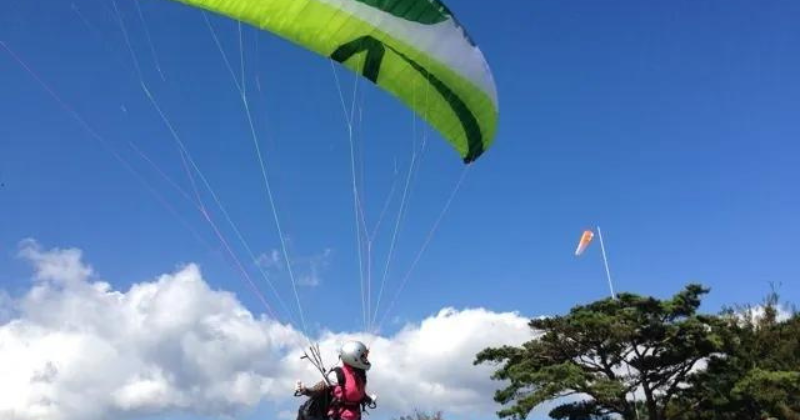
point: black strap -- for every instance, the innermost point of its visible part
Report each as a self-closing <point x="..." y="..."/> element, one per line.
<point x="340" y="378"/>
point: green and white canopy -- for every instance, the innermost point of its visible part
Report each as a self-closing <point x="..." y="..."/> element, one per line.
<point x="415" y="49"/>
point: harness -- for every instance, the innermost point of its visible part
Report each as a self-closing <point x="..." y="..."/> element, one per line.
<point x="317" y="408"/>
<point x="337" y="404"/>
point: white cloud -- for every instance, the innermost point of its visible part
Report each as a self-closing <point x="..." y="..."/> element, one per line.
<point x="758" y="312"/>
<point x="313" y="267"/>
<point x="429" y="365"/>
<point x="6" y="307"/>
<point x="270" y="260"/>
<point x="307" y="269"/>
<point x="75" y="348"/>
<point x="58" y="265"/>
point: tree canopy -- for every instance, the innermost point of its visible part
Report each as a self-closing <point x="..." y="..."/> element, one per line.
<point x="639" y="357"/>
<point x="756" y="375"/>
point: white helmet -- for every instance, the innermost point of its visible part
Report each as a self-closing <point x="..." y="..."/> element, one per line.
<point x="354" y="354"/>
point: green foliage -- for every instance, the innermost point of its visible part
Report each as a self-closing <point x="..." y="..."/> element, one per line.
<point x="755" y="376"/>
<point x="605" y="351"/>
<point x="743" y="364"/>
<point x="423" y="416"/>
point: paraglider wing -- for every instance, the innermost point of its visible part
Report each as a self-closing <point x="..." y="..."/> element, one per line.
<point x="586" y="239"/>
<point x="414" y="49"/>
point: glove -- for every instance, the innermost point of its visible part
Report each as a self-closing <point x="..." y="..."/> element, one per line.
<point x="373" y="401"/>
<point x="299" y="388"/>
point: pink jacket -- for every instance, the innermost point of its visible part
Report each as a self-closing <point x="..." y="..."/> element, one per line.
<point x="350" y="397"/>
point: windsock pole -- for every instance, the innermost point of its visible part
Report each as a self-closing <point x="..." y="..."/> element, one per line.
<point x="605" y="261"/>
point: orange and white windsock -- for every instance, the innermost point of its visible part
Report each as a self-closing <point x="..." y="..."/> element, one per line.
<point x="586" y="239"/>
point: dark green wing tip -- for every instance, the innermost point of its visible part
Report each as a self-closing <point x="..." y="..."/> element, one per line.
<point x="473" y="156"/>
<point x="426" y="12"/>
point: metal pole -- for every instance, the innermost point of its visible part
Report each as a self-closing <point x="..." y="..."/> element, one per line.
<point x="614" y="296"/>
<point x="605" y="261"/>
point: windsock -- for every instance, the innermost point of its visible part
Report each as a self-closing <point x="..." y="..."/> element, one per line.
<point x="586" y="239"/>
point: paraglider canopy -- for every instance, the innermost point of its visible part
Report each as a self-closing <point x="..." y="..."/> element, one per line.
<point x="414" y="49"/>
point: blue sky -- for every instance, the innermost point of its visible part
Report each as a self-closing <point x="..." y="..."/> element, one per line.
<point x="671" y="125"/>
